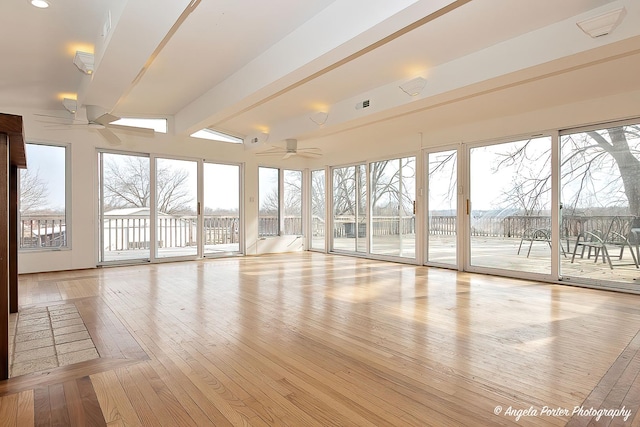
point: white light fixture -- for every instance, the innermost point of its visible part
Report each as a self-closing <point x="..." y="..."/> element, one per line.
<point x="604" y="24"/>
<point x="71" y="105"/>
<point x="414" y="86"/>
<point x="319" y="118"/>
<point x="84" y="62"/>
<point x="40" y="4"/>
<point x="256" y="140"/>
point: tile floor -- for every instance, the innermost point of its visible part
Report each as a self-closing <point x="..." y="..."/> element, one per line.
<point x="49" y="337"/>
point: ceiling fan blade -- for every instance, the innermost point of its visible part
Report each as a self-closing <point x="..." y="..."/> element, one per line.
<point x="274" y="151"/>
<point x="66" y="125"/>
<point x="132" y="129"/>
<point x="288" y="155"/>
<point x="111" y="137"/>
<point x="105" y="119"/>
<point x="57" y="117"/>
<point x="310" y="154"/>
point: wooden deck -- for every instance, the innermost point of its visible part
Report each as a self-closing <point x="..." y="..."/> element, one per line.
<point x="308" y="339"/>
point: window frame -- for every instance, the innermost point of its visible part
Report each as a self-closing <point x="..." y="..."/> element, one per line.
<point x="67" y="201"/>
<point x="279" y="185"/>
<point x="281" y="202"/>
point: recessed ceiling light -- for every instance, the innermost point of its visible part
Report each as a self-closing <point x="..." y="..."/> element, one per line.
<point x="41" y="4"/>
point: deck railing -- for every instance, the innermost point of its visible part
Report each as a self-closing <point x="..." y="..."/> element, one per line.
<point x="345" y="226"/>
<point x="269" y="226"/>
<point x="515" y="225"/>
<point x="128" y="232"/>
<point x="42" y="231"/>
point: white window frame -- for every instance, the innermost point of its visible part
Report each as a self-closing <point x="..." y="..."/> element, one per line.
<point x="67" y="200"/>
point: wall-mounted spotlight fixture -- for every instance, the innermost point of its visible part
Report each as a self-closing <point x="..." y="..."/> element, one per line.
<point x="40" y="4"/>
<point x="84" y="62"/>
<point x="71" y="105"/>
<point x="602" y="25"/>
<point x="414" y="86"/>
<point x="319" y="118"/>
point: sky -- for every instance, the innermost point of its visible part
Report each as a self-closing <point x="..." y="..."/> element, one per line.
<point x="49" y="162"/>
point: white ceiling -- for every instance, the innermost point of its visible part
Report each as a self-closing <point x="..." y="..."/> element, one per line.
<point x="251" y="66"/>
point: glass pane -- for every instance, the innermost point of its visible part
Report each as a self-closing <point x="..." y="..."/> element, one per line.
<point x="176" y="208"/>
<point x="221" y="209"/>
<point x="318" y="224"/>
<point x="293" y="202"/>
<point x="350" y="208"/>
<point x="392" y="196"/>
<point x="269" y="196"/>
<point x="443" y="211"/>
<point x="600" y="193"/>
<point x="510" y="206"/>
<point x="344" y="208"/>
<point x="43" y="198"/>
<point x="361" y="218"/>
<point x="407" y="207"/>
<point x="126" y="195"/>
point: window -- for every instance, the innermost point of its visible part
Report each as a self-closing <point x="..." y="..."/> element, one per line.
<point x="269" y="197"/>
<point x="125" y="194"/>
<point x="276" y="199"/>
<point x="318" y="223"/>
<point x="43" y="198"/>
<point x="293" y="202"/>
<point x="215" y="135"/>
<point x="158" y="125"/>
<point x="221" y="232"/>
<point x="350" y="208"/>
<point x="510" y="205"/>
<point x="392" y="201"/>
<point x="600" y="193"/>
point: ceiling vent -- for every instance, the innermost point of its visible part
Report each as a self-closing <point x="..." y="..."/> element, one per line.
<point x="363" y="104"/>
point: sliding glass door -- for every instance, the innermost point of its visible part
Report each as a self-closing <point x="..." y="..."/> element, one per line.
<point x="373" y="208"/>
<point x="509" y="221"/>
<point x="442" y="226"/>
<point x="349" y="209"/>
<point x="221" y="222"/>
<point x="600" y="217"/>
<point x="176" y="208"/>
<point x="125" y="197"/>
<point x="392" y="207"/>
<point x="151" y="208"/>
<point x="318" y="206"/>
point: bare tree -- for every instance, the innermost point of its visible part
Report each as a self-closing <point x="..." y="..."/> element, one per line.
<point x="270" y="204"/>
<point x="318" y="194"/>
<point x="292" y="200"/>
<point x="599" y="169"/>
<point x="33" y="191"/>
<point x="292" y="193"/>
<point x="391" y="186"/>
<point x="391" y="190"/>
<point x="349" y="186"/>
<point x="127" y="184"/>
<point x="443" y="167"/>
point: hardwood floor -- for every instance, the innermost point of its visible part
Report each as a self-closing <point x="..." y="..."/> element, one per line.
<point x="308" y="339"/>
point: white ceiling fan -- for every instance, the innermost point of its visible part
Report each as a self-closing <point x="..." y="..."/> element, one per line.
<point x="97" y="118"/>
<point x="291" y="150"/>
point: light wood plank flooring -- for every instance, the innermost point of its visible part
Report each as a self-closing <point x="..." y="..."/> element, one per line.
<point x="308" y="339"/>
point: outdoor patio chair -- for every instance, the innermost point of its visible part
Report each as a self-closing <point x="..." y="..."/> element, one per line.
<point x="539" y="235"/>
<point x="620" y="236"/>
<point x="534" y="235"/>
<point x="592" y="241"/>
